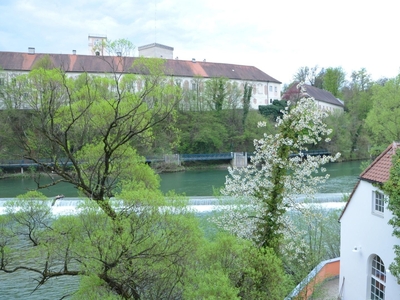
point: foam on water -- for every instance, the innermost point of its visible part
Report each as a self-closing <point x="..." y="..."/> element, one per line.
<point x="67" y="206"/>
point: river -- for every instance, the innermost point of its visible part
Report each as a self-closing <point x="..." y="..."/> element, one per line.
<point x="343" y="177"/>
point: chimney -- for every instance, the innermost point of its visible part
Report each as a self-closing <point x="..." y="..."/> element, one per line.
<point x="119" y="53"/>
<point x="193" y="60"/>
<point x="31" y="50"/>
<point x="74" y="52"/>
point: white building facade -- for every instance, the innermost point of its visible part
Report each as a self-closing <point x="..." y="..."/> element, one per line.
<point x="366" y="249"/>
<point x="265" y="88"/>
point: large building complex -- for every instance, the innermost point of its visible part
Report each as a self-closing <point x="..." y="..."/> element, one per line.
<point x="185" y="72"/>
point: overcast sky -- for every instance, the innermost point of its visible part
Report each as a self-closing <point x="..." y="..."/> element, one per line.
<point x="277" y="37"/>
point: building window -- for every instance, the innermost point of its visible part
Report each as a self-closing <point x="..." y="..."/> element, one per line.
<point x="186" y="85"/>
<point x="276" y="89"/>
<point x="378" y="279"/>
<point x="270" y="88"/>
<point x="378" y="202"/>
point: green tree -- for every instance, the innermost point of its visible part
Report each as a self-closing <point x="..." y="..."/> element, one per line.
<point x="231" y="268"/>
<point x="334" y="80"/>
<point x="270" y="184"/>
<point x="311" y="76"/>
<point x="358" y="102"/>
<point x="86" y="125"/>
<point x="315" y="237"/>
<point x="392" y="189"/>
<point x="341" y="139"/>
<point x="44" y="63"/>
<point x="201" y="132"/>
<point x="216" y="92"/>
<point x="246" y="102"/>
<point x="273" y="111"/>
<point x="87" y="128"/>
<point x="361" y="80"/>
<point x="148" y="259"/>
<point x="383" y="118"/>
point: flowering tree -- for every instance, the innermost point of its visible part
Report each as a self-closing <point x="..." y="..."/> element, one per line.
<point x="280" y="170"/>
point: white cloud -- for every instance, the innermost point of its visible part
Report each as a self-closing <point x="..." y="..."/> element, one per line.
<point x="278" y="37"/>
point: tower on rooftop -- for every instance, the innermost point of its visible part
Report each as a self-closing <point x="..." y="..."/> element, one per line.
<point x="95" y="43"/>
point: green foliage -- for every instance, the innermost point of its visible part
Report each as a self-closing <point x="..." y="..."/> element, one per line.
<point x="230" y="268"/>
<point x="392" y="189"/>
<point x="87" y="125"/>
<point x="382" y="119"/>
<point x="334" y="79"/>
<point x="204" y="133"/>
<point x="246" y="102"/>
<point x="146" y="252"/>
<point x="361" y="80"/>
<point x="208" y="132"/>
<point x="273" y="111"/>
<point x="216" y="92"/>
<point x="341" y="139"/>
<point x="44" y="63"/>
<point x="312" y="76"/>
<point x="315" y="237"/>
<point x="358" y="102"/>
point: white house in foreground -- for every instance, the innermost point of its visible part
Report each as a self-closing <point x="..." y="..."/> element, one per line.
<point x="366" y="249"/>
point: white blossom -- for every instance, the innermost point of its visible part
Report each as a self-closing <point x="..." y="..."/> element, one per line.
<point x="304" y="172"/>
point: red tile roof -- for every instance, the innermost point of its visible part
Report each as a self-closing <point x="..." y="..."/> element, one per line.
<point x="379" y="170"/>
<point x="18" y="61"/>
<point x="293" y="93"/>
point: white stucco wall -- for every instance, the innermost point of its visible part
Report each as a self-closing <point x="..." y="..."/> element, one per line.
<point x="263" y="93"/>
<point x="328" y="107"/>
<point x="361" y="228"/>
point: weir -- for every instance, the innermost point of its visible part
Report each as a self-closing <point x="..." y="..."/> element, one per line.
<point x="67" y="206"/>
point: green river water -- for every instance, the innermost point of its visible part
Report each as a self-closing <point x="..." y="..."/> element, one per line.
<point x="343" y="177"/>
<point x="193" y="183"/>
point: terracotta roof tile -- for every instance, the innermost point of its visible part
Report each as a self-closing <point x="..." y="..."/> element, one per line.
<point x="379" y="170"/>
<point x="18" y="61"/>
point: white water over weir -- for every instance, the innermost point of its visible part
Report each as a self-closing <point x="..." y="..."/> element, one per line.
<point x="67" y="206"/>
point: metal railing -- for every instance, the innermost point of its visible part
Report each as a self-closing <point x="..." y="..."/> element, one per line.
<point x="155" y="158"/>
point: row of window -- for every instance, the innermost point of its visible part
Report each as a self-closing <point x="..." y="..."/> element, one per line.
<point x="196" y="85"/>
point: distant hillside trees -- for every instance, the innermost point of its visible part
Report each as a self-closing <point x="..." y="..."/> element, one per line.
<point x="274" y="110"/>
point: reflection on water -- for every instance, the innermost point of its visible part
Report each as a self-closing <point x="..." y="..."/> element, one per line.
<point x="343" y="177"/>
